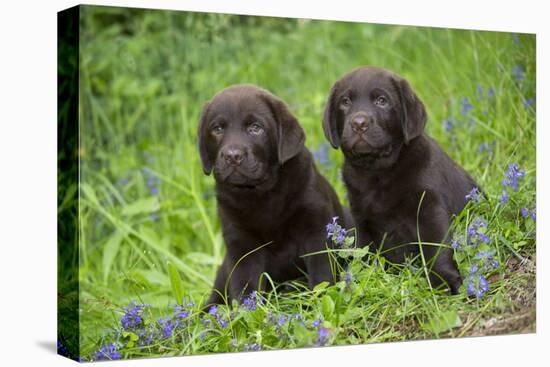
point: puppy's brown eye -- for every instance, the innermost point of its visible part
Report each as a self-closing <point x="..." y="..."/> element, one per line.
<point x="346" y="102"/>
<point x="255" y="128"/>
<point x="381" y="101"/>
<point x="217" y="130"/>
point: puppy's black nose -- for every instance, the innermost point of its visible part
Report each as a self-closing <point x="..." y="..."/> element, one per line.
<point x="233" y="156"/>
<point x="359" y="123"/>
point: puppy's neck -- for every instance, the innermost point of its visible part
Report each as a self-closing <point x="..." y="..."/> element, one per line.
<point x="411" y="155"/>
<point x="281" y="182"/>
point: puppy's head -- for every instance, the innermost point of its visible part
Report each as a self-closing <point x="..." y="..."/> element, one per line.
<point x="371" y="113"/>
<point x="245" y="135"/>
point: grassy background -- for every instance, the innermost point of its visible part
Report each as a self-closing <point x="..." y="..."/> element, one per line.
<point x="144" y="77"/>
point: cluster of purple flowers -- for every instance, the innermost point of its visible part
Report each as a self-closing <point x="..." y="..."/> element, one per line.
<point x="475" y="236"/>
<point x="322" y="333"/>
<point x="476" y="283"/>
<point x="153" y="183"/>
<point x="170" y="323"/>
<point x="512" y="176"/>
<point x="480" y="91"/>
<point x="213" y="311"/>
<point x="253" y="347"/>
<point x="518" y="73"/>
<point x="476" y="232"/>
<point x="251" y="301"/>
<point x="278" y="320"/>
<point x="483" y="261"/>
<point x="487" y="148"/>
<point x="133" y="316"/>
<point x="133" y="321"/>
<point x="336" y="233"/>
<point x="448" y="124"/>
<point x="348" y="277"/>
<point x="474" y="196"/>
<point x="465" y="106"/>
<point x="526" y="213"/>
<point x="107" y="352"/>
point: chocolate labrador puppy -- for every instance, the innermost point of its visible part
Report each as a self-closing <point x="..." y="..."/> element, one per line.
<point x="403" y="188"/>
<point x="268" y="191"/>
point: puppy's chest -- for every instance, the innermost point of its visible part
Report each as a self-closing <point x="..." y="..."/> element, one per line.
<point x="371" y="200"/>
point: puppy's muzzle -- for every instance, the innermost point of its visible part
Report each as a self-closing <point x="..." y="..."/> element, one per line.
<point x="360" y="123"/>
<point x="233" y="155"/>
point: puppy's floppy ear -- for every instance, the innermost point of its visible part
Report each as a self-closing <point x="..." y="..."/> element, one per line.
<point x="413" y="113"/>
<point x="201" y="135"/>
<point x="330" y="119"/>
<point x="290" y="135"/>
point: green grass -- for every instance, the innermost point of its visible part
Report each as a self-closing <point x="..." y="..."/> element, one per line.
<point x="144" y="78"/>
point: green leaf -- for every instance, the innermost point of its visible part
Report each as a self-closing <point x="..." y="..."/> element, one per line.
<point x="177" y="284"/>
<point x="89" y="193"/>
<point x="130" y="335"/>
<point x="202" y="258"/>
<point x="110" y="251"/>
<point x="141" y="206"/>
<point x="321" y="286"/>
<point x="327" y="305"/>
<point x="443" y="322"/>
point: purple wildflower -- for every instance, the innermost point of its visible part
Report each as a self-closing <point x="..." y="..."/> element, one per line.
<point x="153" y="182"/>
<point x="133" y="317"/>
<point x="254" y="347"/>
<point x="503" y="197"/>
<point x="486" y="260"/>
<point x="182" y="312"/>
<point x="282" y="320"/>
<point x="526" y="213"/>
<point x="213" y="311"/>
<point x="107" y="352"/>
<point x="512" y="176"/>
<point x="448" y="124"/>
<point x="466" y="106"/>
<point x="251" y="301"/>
<point x="487" y="148"/>
<point x="336" y="232"/>
<point x="479" y="91"/>
<point x="528" y="102"/>
<point x="168" y="325"/>
<point x="321" y="154"/>
<point x="474" y="196"/>
<point x="316" y="323"/>
<point x="491" y="92"/>
<point x="477" y="285"/>
<point x="456" y="244"/>
<point x="322" y="336"/>
<point x="145" y="338"/>
<point x="348" y="277"/>
<point x="475" y="233"/>
<point x="518" y="72"/>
